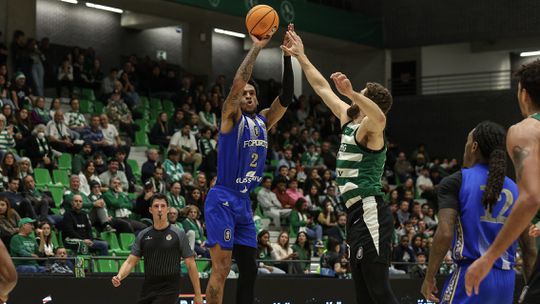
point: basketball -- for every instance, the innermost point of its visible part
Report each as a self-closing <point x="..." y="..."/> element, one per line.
<point x="262" y="20"/>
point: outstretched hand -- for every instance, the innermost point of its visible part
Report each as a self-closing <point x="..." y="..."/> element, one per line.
<point x="295" y="45"/>
<point x="287" y="41"/>
<point x="343" y="84"/>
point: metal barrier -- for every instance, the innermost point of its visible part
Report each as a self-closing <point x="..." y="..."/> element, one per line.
<point x="452" y="83"/>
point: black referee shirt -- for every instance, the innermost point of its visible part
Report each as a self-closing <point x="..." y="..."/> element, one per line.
<point x="163" y="251"/>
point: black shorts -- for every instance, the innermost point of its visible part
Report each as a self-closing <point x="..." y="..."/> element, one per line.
<point x="369" y="230"/>
<point x="531" y="292"/>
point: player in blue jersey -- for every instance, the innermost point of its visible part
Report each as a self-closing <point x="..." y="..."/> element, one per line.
<point x="473" y="206"/>
<point x="523" y="145"/>
<point x="242" y="147"/>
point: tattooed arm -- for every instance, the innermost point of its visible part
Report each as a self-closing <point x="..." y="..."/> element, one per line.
<point x="522" y="145"/>
<point x="231" y="108"/>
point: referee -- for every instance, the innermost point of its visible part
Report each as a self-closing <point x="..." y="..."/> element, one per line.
<point x="163" y="246"/>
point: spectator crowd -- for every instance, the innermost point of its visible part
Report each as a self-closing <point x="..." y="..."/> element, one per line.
<point x="103" y="196"/>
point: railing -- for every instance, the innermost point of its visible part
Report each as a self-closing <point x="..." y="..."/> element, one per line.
<point x="83" y="265"/>
<point x="453" y="83"/>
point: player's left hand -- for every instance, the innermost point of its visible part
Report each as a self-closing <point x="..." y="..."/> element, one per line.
<point x="475" y="274"/>
<point x="343" y="84"/>
<point x="429" y="290"/>
<point x="287" y="41"/>
<point x="198" y="299"/>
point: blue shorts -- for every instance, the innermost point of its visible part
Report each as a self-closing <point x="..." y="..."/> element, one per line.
<point x="229" y="219"/>
<point x="496" y="288"/>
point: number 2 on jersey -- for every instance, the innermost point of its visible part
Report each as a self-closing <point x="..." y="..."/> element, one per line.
<point x="501" y="218"/>
<point x="254" y="158"/>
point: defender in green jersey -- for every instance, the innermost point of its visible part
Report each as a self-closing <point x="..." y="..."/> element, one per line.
<point x="360" y="165"/>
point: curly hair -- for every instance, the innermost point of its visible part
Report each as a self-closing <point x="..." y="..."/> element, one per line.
<point x="491" y="138"/>
<point x="529" y="78"/>
<point x="380" y="95"/>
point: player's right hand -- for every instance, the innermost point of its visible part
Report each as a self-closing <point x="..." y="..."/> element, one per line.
<point x="198" y="299"/>
<point x="429" y="290"/>
<point x="261" y="42"/>
<point x="116" y="281"/>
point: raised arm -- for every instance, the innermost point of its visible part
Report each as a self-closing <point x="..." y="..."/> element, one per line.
<point x="374" y="113"/>
<point x="524" y="151"/>
<point x="319" y="84"/>
<point x="231" y="107"/>
<point x="282" y="102"/>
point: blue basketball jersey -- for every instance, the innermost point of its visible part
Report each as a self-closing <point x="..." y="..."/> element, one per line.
<point x="242" y="154"/>
<point x="477" y="228"/>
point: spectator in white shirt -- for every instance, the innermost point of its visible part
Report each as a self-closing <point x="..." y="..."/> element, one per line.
<point x="270" y="204"/>
<point x="185" y="142"/>
<point x="423" y="182"/>
<point x="59" y="135"/>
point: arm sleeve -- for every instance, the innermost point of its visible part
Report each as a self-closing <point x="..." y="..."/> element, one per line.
<point x="448" y="194"/>
<point x="184" y="244"/>
<point x="287" y="92"/>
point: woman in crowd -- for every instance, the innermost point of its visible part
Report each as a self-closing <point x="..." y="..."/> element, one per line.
<point x="39" y="114"/>
<point x="44" y="239"/>
<point x="264" y="254"/>
<point x="195" y="198"/>
<point x="281" y="251"/>
<point x="192" y="223"/>
<point x="208" y="117"/>
<point x="302" y="222"/>
<point x="327" y="218"/>
<point x="25" y="168"/>
<point x="23" y="128"/>
<point x="302" y="248"/>
<point x="160" y="133"/>
<point x="56" y="105"/>
<point x="86" y="176"/>
<point x="328" y="180"/>
<point x="11" y="119"/>
<point x="9" y="220"/>
<point x="314" y="199"/>
<point x="9" y="167"/>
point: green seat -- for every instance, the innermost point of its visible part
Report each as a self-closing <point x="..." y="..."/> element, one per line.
<point x="274" y="163"/>
<point x="145" y="103"/>
<point x="55" y="211"/>
<point x="168" y="105"/>
<point x="127" y="240"/>
<point x="61" y="177"/>
<point x="54" y="239"/>
<point x="57" y="195"/>
<point x="134" y="167"/>
<point x="114" y="247"/>
<point x="202" y="265"/>
<point x="85" y="106"/>
<point x="141" y="139"/>
<point x="155" y="103"/>
<point x="42" y="176"/>
<point x="105" y="266"/>
<point x="64" y="162"/>
<point x="143" y="125"/>
<point x="88" y="94"/>
<point x="98" y="107"/>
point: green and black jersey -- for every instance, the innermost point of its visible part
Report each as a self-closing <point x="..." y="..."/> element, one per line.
<point x="359" y="169"/>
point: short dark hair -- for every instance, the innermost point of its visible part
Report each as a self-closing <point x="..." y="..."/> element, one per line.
<point x="159" y="196"/>
<point x="172" y="152"/>
<point x="266" y="178"/>
<point x="380" y="95"/>
<point x="529" y="78"/>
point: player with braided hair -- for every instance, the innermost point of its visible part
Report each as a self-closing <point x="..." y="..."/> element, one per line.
<point x="473" y="206"/>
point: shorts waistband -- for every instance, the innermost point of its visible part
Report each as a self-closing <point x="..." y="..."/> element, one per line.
<point x="358" y="199"/>
<point x="231" y="191"/>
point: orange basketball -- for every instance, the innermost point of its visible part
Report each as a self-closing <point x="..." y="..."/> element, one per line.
<point x="262" y="20"/>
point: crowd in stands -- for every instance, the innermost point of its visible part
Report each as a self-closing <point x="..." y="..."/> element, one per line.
<point x="103" y="196"/>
